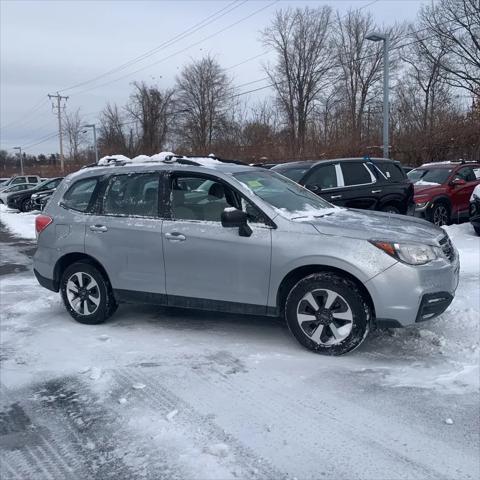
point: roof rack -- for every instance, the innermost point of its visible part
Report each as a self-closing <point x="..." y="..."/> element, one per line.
<point x="169" y="159"/>
<point x="190" y="159"/>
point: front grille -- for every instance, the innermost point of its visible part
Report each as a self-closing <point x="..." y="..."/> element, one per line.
<point x="447" y="247"/>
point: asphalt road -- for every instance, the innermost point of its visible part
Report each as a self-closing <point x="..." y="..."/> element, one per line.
<point x="169" y="394"/>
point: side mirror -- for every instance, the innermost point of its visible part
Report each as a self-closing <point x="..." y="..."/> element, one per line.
<point x="313" y="188"/>
<point x="233" y="218"/>
<point x="457" y="182"/>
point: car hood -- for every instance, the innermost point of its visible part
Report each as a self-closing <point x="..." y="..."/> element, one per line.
<point x="369" y="225"/>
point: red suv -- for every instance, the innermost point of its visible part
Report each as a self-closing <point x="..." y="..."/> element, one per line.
<point x="443" y="190"/>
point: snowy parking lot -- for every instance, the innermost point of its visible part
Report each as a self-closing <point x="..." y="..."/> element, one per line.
<point x="161" y="393"/>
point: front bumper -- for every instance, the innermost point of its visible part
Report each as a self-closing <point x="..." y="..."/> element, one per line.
<point x="405" y="294"/>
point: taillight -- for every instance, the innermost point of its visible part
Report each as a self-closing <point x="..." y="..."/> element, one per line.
<point x="42" y="222"/>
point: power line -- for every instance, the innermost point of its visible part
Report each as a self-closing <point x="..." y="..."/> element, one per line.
<point x="186" y="33"/>
<point x="218" y="32"/>
<point x="28" y="113"/>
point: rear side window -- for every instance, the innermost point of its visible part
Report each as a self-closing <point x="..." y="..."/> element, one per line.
<point x="132" y="195"/>
<point x="355" y="174"/>
<point x="392" y="171"/>
<point x="32" y="180"/>
<point x="323" y="177"/>
<point x="79" y="195"/>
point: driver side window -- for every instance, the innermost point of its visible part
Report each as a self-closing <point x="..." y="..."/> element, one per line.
<point x="202" y="199"/>
<point x="467" y="174"/>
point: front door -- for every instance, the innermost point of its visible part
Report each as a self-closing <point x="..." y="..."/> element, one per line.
<point x="125" y="235"/>
<point x="461" y="194"/>
<point x="207" y="265"/>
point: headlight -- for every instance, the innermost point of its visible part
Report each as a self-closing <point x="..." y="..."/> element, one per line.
<point x="420" y="204"/>
<point x="413" y="254"/>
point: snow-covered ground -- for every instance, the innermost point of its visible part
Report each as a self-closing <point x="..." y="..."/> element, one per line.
<point x="167" y="393"/>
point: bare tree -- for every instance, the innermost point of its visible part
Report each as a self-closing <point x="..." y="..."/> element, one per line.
<point x="454" y="27"/>
<point x="113" y="136"/>
<point x="150" y="107"/>
<point x="73" y="130"/>
<point x="301" y="40"/>
<point x="204" y="96"/>
<point x="361" y="65"/>
<point x="424" y="91"/>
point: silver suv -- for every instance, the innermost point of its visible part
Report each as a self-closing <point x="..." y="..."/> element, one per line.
<point x="211" y="234"/>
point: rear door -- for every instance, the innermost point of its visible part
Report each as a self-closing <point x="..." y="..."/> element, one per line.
<point x="207" y="265"/>
<point x="324" y="181"/>
<point x="124" y="235"/>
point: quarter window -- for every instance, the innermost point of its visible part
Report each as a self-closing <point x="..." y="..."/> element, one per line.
<point x="355" y="174"/>
<point x="323" y="177"/>
<point x="32" y="180"/>
<point x="78" y="196"/>
<point x="392" y="171"/>
<point x="132" y="195"/>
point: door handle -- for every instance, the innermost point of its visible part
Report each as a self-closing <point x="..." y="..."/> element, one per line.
<point x="175" y="237"/>
<point x="376" y="191"/>
<point x="98" y="228"/>
<point x="334" y="197"/>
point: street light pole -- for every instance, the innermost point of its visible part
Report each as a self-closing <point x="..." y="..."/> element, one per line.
<point x="92" y="125"/>
<point x="377" y="37"/>
<point x="21" y="158"/>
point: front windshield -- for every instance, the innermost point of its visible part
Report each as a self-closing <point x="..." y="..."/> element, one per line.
<point x="293" y="173"/>
<point x="429" y="175"/>
<point x="289" y="198"/>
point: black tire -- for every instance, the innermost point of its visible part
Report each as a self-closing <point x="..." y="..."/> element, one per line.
<point x="101" y="292"/>
<point x="25" y="206"/>
<point x="477" y="230"/>
<point x="390" y="209"/>
<point x="347" y="293"/>
<point x="439" y="214"/>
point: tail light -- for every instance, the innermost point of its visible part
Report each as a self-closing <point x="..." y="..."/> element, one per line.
<point x="42" y="222"/>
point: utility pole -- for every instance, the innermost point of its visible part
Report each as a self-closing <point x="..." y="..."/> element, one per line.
<point x="58" y="109"/>
<point x="21" y="158"/>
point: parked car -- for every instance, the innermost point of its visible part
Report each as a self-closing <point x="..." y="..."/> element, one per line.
<point x="23" y="200"/>
<point x="254" y="243"/>
<point x="475" y="209"/>
<point x="407" y="169"/>
<point x="12" y="189"/>
<point x="372" y="184"/>
<point x="39" y="200"/>
<point x="18" y="179"/>
<point x="443" y="190"/>
<point x="3" y="181"/>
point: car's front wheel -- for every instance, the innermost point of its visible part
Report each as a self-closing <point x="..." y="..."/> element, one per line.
<point x="26" y="205"/>
<point x="327" y="313"/>
<point x="87" y="294"/>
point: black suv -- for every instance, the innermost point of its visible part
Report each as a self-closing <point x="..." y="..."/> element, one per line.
<point x="373" y="183"/>
<point x="23" y="200"/>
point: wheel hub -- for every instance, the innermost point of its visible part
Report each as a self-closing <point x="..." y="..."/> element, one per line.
<point x="324" y="316"/>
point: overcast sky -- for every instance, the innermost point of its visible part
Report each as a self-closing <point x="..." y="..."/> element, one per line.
<point x="50" y="46"/>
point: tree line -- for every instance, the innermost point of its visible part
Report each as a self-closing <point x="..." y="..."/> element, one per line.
<point x="324" y="96"/>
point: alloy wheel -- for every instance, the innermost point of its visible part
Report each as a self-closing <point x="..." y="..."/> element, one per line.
<point x="83" y="293"/>
<point x="325" y="317"/>
<point x="440" y="215"/>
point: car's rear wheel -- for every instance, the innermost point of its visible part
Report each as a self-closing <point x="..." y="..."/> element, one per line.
<point x="440" y="214"/>
<point x="327" y="313"/>
<point x="390" y="209"/>
<point x="87" y="294"/>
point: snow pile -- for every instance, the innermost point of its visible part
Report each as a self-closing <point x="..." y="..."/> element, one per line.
<point x="19" y="224"/>
<point x="111" y="159"/>
<point x="160" y="157"/>
<point x="424" y="182"/>
<point x="141" y="159"/>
